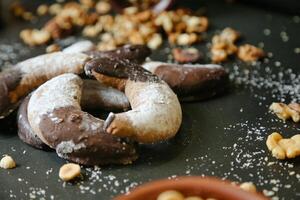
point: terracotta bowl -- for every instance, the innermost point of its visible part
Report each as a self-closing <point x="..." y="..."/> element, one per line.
<point x="188" y="186"/>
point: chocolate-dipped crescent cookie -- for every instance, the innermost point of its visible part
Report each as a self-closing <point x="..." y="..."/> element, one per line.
<point x="94" y="96"/>
<point x="191" y="82"/>
<point x="55" y="115"/>
<point x="156" y="113"/>
<point x="17" y="81"/>
<point x="9" y="80"/>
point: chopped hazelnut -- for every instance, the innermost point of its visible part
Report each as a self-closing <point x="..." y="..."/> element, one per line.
<point x="130" y="10"/>
<point x="223" y="45"/>
<point x="187" y="39"/>
<point x="250" y="53"/>
<point x="87" y="3"/>
<point x="35" y="37"/>
<point x="218" y="55"/>
<point x="53" y="48"/>
<point x="103" y="7"/>
<point x="155" y="41"/>
<point x="230" y="35"/>
<point x="55" y="9"/>
<point x="196" y="24"/>
<point x="42" y="10"/>
<point x="106" y="46"/>
<point x="136" y="38"/>
<point x="92" y="31"/>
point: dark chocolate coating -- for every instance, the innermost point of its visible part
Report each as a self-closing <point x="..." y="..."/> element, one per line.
<point x="25" y="131"/>
<point x="93" y="145"/>
<point x="9" y="80"/>
<point x="193" y="82"/>
<point x="94" y="97"/>
<point x="119" y="68"/>
<point x="134" y="53"/>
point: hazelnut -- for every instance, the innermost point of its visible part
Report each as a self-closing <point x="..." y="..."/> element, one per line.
<point x="170" y="195"/>
<point x="7" y="162"/>
<point x="248" y="186"/>
<point x="69" y="171"/>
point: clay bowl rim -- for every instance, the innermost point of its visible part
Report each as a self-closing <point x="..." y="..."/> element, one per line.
<point x="196" y="185"/>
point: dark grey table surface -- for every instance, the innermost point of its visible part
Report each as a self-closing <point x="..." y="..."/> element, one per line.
<point x="223" y="137"/>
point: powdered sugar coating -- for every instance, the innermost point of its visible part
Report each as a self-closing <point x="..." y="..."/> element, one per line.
<point x="61" y="91"/>
<point x="153" y="65"/>
<point x="79" y="47"/>
<point x="156" y="112"/>
<point x="67" y="147"/>
<point x="50" y="65"/>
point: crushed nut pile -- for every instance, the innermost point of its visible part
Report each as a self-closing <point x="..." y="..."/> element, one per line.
<point x="135" y="26"/>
